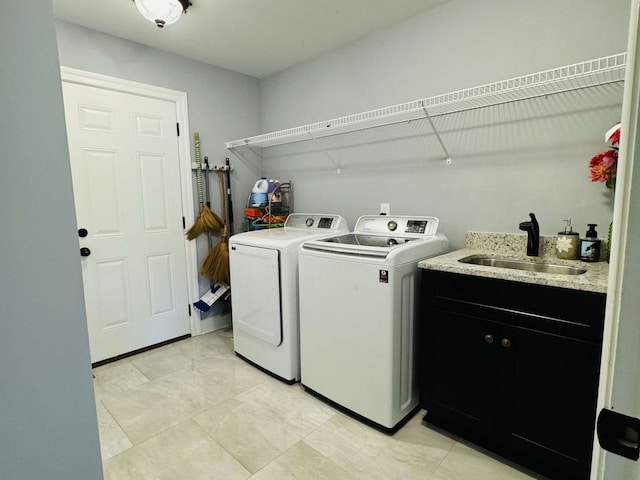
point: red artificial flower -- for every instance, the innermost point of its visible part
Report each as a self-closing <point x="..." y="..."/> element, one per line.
<point x="613" y="134"/>
<point x="605" y="164"/>
<point x="603" y="167"/>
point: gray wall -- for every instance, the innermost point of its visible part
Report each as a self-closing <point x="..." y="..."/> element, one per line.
<point x="222" y="104"/>
<point x="499" y="173"/>
<point x="48" y="426"/>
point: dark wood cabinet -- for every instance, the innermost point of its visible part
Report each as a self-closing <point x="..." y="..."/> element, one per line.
<point x="513" y="367"/>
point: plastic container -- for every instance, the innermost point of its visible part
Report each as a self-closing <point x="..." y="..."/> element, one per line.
<point x="590" y="246"/>
<point x="259" y="193"/>
<point x="274" y="195"/>
<point x="568" y="243"/>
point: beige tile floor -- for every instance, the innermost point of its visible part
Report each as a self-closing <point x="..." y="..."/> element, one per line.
<point x="193" y="410"/>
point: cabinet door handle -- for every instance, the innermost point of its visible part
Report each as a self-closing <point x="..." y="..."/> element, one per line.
<point x="506" y="343"/>
<point x="488" y="338"/>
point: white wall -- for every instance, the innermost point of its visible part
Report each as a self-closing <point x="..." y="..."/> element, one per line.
<point x="222" y="104"/>
<point x="48" y="426"/>
<point x="499" y="174"/>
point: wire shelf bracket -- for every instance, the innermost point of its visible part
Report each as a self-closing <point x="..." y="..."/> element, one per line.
<point x="435" y="131"/>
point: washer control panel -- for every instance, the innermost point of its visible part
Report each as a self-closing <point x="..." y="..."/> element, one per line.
<point x="409" y="226"/>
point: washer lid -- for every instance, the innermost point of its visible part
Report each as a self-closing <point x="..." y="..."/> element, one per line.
<point x="382" y="241"/>
<point x="358" y="244"/>
<point x="382" y="236"/>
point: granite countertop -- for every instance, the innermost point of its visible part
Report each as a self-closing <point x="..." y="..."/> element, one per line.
<point x="513" y="246"/>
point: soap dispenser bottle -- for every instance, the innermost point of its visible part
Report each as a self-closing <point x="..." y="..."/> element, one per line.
<point x="568" y="243"/>
<point x="590" y="246"/>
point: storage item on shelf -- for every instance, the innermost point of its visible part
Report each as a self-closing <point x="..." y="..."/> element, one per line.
<point x="259" y="193"/>
<point x="276" y="210"/>
<point x="274" y="194"/>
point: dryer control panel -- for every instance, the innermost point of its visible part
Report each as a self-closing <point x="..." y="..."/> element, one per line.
<point x="314" y="221"/>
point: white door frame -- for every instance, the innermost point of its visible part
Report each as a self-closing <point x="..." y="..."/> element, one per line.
<point x="72" y="75"/>
<point x="620" y="323"/>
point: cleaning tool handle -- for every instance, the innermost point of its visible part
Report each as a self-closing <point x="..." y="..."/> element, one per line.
<point x="229" y="202"/>
<point x="224" y="207"/>
<point x="196" y="137"/>
<point x="206" y="181"/>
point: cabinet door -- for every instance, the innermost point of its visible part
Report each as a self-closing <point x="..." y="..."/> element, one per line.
<point x="459" y="370"/>
<point x="546" y="398"/>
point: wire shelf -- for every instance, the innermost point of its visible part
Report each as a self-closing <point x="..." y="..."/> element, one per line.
<point x="588" y="74"/>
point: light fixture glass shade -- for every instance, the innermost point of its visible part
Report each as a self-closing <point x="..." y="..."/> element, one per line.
<point x="160" y="12"/>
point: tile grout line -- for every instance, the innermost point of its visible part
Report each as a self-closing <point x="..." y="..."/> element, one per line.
<point x="119" y="426"/>
<point x="221" y="446"/>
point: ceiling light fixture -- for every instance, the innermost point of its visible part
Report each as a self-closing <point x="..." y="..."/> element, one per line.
<point x="162" y="12"/>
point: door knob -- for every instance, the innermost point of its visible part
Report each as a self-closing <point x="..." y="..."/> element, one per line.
<point x="619" y="433"/>
<point x="82" y="232"/>
<point x="85" y="252"/>
<point x="488" y="338"/>
<point x="506" y="343"/>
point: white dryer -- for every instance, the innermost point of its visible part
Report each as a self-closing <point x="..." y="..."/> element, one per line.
<point x="264" y="286"/>
<point x="358" y="307"/>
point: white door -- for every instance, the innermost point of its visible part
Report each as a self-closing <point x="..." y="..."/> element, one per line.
<point x="255" y="276"/>
<point x="620" y="371"/>
<point x="126" y="181"/>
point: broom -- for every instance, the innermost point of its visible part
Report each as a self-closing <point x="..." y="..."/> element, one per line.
<point x="215" y="266"/>
<point x="206" y="221"/>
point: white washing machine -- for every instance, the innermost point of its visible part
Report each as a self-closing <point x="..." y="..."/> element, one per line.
<point x="264" y="286"/>
<point x="358" y="307"/>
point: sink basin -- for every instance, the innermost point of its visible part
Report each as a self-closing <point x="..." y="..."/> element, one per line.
<point x="524" y="265"/>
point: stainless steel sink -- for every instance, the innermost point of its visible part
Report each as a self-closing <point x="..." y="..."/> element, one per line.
<point x="524" y="265"/>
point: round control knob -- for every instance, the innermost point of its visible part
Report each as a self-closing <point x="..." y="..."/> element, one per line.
<point x="308" y="222"/>
<point x="392" y="225"/>
<point x="392" y="241"/>
<point x="488" y="338"/>
<point x="506" y="343"/>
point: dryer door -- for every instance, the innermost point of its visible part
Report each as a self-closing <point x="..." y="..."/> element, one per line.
<point x="255" y="287"/>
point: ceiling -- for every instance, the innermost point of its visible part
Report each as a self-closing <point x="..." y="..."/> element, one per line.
<point x="254" y="37"/>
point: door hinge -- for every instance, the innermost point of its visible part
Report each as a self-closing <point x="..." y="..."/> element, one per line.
<point x="178" y="128"/>
<point x="184" y="223"/>
<point x="189" y="306"/>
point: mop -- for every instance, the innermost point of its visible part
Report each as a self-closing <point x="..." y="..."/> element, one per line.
<point x="216" y="291"/>
<point x="211" y="296"/>
<point x="229" y="219"/>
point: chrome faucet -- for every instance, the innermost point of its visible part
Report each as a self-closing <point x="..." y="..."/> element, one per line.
<point x="533" y="235"/>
